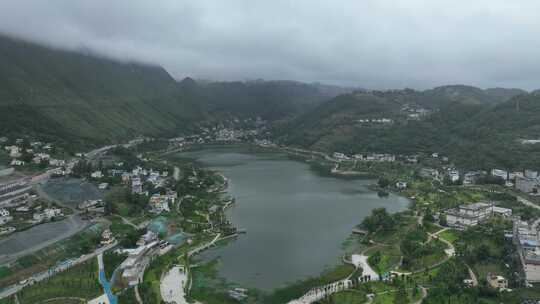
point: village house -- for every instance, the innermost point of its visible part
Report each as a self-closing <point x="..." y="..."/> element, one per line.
<point x="453" y="175"/>
<point x="136" y="185"/>
<point x="531" y="173"/>
<point x="500" y="173"/>
<point x="57" y="162"/>
<point x="107" y="237"/>
<point x="160" y="203"/>
<point x="471" y="177"/>
<point x="96" y="174"/>
<point x="89" y="204"/>
<point x="340" y="156"/>
<point x="126" y="177"/>
<point x="527" y="184"/>
<point x="17" y="162"/>
<point x="47" y="214"/>
<point x="14" y="151"/>
<point x="401" y="185"/>
<point x="515" y="174"/>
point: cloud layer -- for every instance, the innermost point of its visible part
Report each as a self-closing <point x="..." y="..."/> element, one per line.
<point x="367" y="43"/>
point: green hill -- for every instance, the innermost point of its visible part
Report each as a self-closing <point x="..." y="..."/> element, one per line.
<point x="474" y="134"/>
<point x="81" y="98"/>
<point x="85" y="99"/>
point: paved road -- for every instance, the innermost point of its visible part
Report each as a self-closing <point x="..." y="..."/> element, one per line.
<point x="527" y="202"/>
<point x="51" y="272"/>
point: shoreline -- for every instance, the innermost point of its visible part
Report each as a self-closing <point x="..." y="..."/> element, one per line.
<point x="286" y="152"/>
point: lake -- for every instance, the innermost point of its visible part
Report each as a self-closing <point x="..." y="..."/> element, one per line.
<point x="296" y="219"/>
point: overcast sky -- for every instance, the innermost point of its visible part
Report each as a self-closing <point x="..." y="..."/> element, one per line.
<point x="366" y="43"/>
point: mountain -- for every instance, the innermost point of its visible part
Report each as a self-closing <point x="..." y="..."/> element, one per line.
<point x="85" y="99"/>
<point x="473" y="134"/>
<point x="472" y="95"/>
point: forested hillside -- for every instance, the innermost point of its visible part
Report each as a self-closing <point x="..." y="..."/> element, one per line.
<point x="83" y="98"/>
<point x="86" y="100"/>
<point x="475" y="134"/>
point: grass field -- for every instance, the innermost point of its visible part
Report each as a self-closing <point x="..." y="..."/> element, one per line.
<point x="346" y="297"/>
<point x="449" y="236"/>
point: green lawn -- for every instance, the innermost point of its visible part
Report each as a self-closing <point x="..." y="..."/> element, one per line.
<point x="346" y="297"/>
<point x="449" y="235"/>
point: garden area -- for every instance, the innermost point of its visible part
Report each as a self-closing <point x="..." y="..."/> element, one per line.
<point x="80" y="281"/>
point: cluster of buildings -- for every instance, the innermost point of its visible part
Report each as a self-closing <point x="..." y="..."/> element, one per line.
<point x="149" y="246"/>
<point x="37" y="151"/>
<point x="415" y="111"/>
<point x="382" y="121"/>
<point x="525" y="236"/>
<point x="46" y="214"/>
<point x="369" y="157"/>
<point x="469" y="215"/>
<point x="232" y="130"/>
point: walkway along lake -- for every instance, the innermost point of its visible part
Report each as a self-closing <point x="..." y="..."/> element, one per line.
<point x="296" y="219"/>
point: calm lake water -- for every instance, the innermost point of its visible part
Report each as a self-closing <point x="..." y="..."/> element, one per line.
<point x="296" y="219"/>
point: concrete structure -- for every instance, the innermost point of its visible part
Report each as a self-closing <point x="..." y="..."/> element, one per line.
<point x="136" y="185"/>
<point x="527" y="184"/>
<point x="469" y="215"/>
<point x="502" y="211"/>
<point x="453" y="175"/>
<point x="500" y="173"/>
<point x="525" y="237"/>
<point x="531" y="173"/>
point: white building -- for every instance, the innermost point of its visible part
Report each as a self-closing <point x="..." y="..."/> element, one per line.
<point x="96" y="174"/>
<point x="17" y="162"/>
<point x="469" y="215"/>
<point x="136" y="185"/>
<point x="159" y="203"/>
<point x="340" y="156"/>
<point x="527" y="185"/>
<point x="531" y="173"/>
<point x="401" y="185"/>
<point x="453" y="175"/>
<point x="500" y="173"/>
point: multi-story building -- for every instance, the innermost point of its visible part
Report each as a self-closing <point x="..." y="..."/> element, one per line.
<point x="469" y="215"/>
<point x="527" y="184"/>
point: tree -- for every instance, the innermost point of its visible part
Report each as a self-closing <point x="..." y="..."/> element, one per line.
<point x="379" y="219"/>
<point x="401" y="295"/>
<point x="383" y="182"/>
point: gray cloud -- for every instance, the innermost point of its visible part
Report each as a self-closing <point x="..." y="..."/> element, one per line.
<point x="368" y="43"/>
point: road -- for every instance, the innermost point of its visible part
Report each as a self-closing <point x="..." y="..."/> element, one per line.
<point x="204" y="246"/>
<point x="51" y="272"/>
<point x="527" y="202"/>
